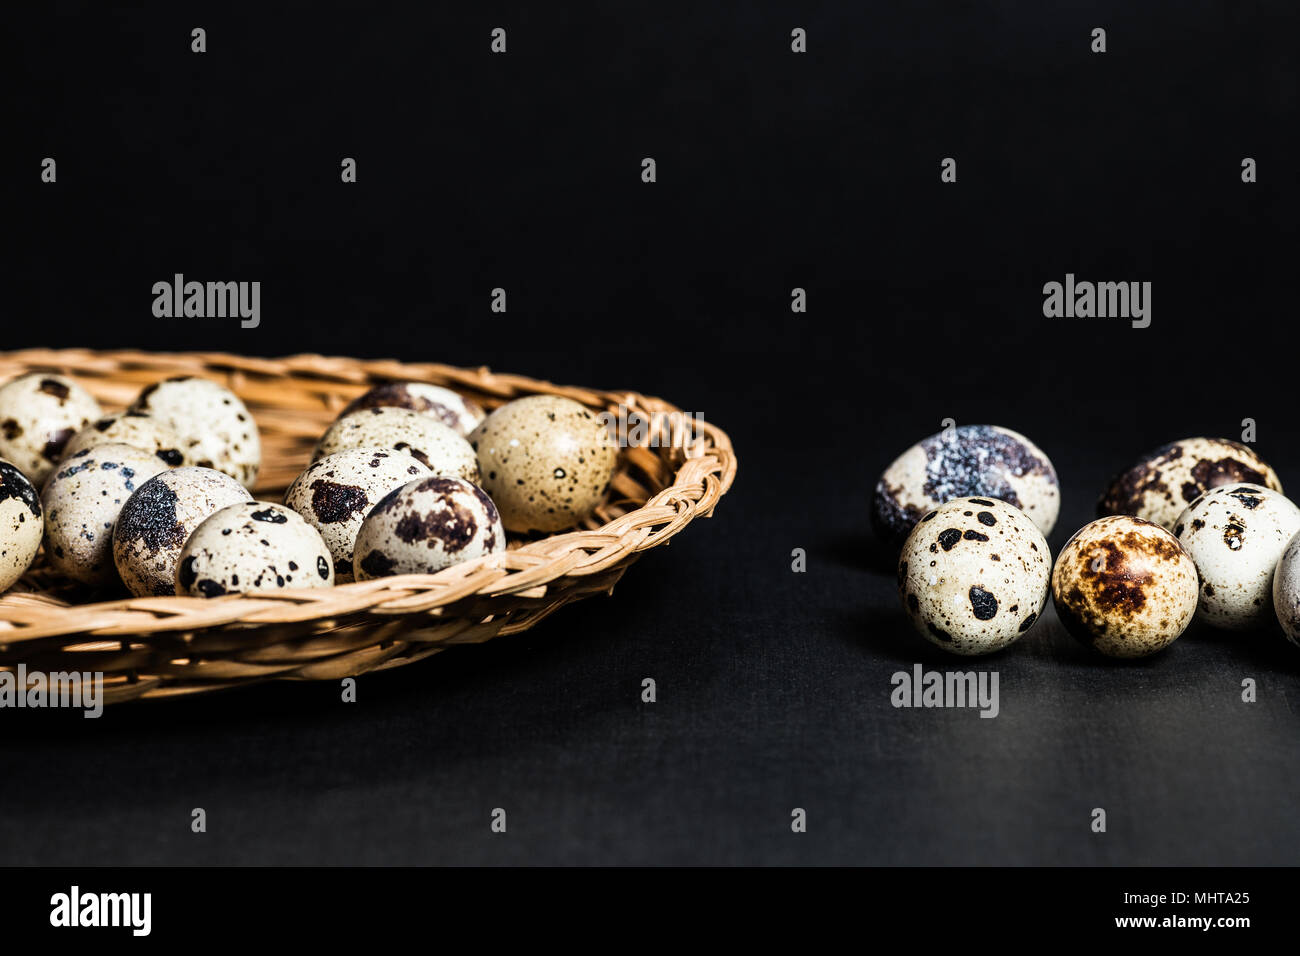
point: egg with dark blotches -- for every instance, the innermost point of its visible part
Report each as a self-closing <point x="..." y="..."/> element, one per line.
<point x="1286" y="590"/>
<point x="253" y="546"/>
<point x="973" y="575"/>
<point x="439" y="448"/>
<point x="1236" y="534"/>
<point x="985" y="461"/>
<point x="1124" y="586"/>
<point x="82" y="501"/>
<point x="546" y="461"/>
<point x="130" y="428"/>
<point x="21" y="524"/>
<point x="336" y="494"/>
<point x="1167" y="480"/>
<point x="39" y="412"/>
<point x="216" y="428"/>
<point x="442" y="404"/>
<point x="159" y="518"/>
<point x="425" y="526"/>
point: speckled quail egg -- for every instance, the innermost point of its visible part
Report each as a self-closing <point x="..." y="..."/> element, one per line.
<point x="982" y="460"/>
<point x="216" y="428"/>
<point x="21" y="524"/>
<point x="39" y="412"/>
<point x="82" y="500"/>
<point x="546" y="462"/>
<point x="253" y="546"/>
<point x="1167" y="480"/>
<point x="159" y="518"/>
<point x="1286" y="591"/>
<point x="1236" y="535"/>
<point x="453" y="410"/>
<point x="336" y="493"/>
<point x="130" y="428"/>
<point x="974" y="575"/>
<point x="439" y="448"/>
<point x="1124" y="586"/>
<point x="425" y="526"/>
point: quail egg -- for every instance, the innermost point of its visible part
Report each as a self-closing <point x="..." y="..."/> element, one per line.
<point x="253" y="546"/>
<point x="159" y="518"/>
<point x="336" y="493"/>
<point x="982" y="460"/>
<point x="215" y="427"/>
<point x="974" y="575"/>
<point x="39" y="412"/>
<point x="430" y="442"/>
<point x="425" y="526"/>
<point x="1124" y="586"/>
<point x="1166" y="480"/>
<point x="130" y="428"/>
<point x="1236" y="535"/>
<point x="442" y="404"/>
<point x="1286" y="591"/>
<point x="82" y="500"/>
<point x="21" y="524"/>
<point x="546" y="462"/>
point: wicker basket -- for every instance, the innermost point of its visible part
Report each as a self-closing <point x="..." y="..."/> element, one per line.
<point x="168" y="646"/>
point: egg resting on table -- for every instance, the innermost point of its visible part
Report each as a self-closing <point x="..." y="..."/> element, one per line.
<point x="986" y="461"/>
<point x="442" y="404"/>
<point x="973" y="575"/>
<point x="1286" y="591"/>
<point x="1167" y="480"/>
<point x="336" y="493"/>
<point x="546" y="462"/>
<point x="21" y="524"/>
<point x="253" y="546"/>
<point x="439" y="448"/>
<point x="1124" y="586"/>
<point x="425" y="526"/>
<point x="39" y="412"/>
<point x="159" y="518"/>
<point x="216" y="428"/>
<point x="1236" y="534"/>
<point x="82" y="501"/>
<point x="130" y="428"/>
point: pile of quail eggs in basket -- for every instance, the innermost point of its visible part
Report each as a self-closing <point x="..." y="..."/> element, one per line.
<point x="411" y="478"/>
<point x="1196" y="528"/>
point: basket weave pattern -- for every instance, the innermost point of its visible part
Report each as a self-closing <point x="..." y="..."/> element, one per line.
<point x="167" y="646"/>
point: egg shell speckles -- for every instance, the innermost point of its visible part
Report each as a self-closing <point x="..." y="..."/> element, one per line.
<point x="130" y="428"/>
<point x="159" y="518"/>
<point x="215" y="427"/>
<point x="458" y="413"/>
<point x="430" y="442"/>
<point x="546" y="462"/>
<point x="1286" y="591"/>
<point x="253" y="546"/>
<point x="974" y="575"/>
<point x="1124" y="586"/>
<point x="1167" y="480"/>
<point x="337" y="493"/>
<point x="82" y="500"/>
<point x="985" y="461"/>
<point x="21" y="524"/>
<point x="39" y="412"/>
<point x="1236" y="534"/>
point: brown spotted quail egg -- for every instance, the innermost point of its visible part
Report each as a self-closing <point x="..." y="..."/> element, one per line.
<point x="130" y="428"/>
<point x="21" y="524"/>
<point x="427" y="525"/>
<point x="1236" y="534"/>
<point x="215" y="427"/>
<point x="253" y="546"/>
<point x="39" y="412"/>
<point x="82" y="500"/>
<point x="158" y="519"/>
<point x="1124" y="586"/>
<point x="336" y="493"/>
<point x="1286" y="591"/>
<point x="442" y="404"/>
<point x="546" y="462"/>
<point x="430" y="442"/>
<point x="974" y="575"/>
<point x="1168" y="479"/>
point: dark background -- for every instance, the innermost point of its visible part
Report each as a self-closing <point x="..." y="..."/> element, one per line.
<point x="775" y="170"/>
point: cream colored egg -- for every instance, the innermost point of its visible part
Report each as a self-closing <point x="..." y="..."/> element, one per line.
<point x="442" y="404"/>
<point x="1286" y="590"/>
<point x="215" y="426"/>
<point x="430" y="442"/>
<point x="130" y="428"/>
<point x="39" y="412"/>
<point x="253" y="546"/>
<point x="21" y="524"/>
